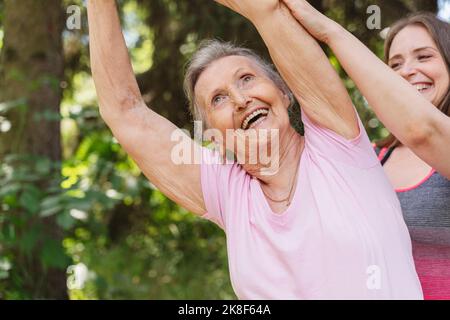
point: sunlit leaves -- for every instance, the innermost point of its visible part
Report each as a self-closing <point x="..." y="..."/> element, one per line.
<point x="5" y="266"/>
<point x="139" y="37"/>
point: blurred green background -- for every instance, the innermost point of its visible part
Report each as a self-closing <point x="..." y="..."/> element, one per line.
<point x="77" y="219"/>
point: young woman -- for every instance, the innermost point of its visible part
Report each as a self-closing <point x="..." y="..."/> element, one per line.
<point x="405" y="111"/>
<point x="413" y="101"/>
<point x="418" y="49"/>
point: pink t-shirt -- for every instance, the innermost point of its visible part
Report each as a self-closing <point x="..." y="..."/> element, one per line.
<point x="343" y="236"/>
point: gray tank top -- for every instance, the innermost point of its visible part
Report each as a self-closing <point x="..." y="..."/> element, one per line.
<point x="426" y="210"/>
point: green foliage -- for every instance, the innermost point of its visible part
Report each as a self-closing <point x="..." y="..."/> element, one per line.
<point x="26" y="184"/>
<point x="135" y="242"/>
<point x="172" y="257"/>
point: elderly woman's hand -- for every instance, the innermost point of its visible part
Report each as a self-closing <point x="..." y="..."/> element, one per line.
<point x="317" y="24"/>
<point x="251" y="9"/>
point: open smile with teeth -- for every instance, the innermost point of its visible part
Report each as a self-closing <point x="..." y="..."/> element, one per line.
<point x="254" y="118"/>
<point x="421" y="87"/>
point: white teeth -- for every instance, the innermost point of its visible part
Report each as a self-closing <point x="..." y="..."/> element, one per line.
<point x="251" y="116"/>
<point x="421" y="87"/>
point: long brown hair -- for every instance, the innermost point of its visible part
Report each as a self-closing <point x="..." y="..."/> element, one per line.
<point x="440" y="32"/>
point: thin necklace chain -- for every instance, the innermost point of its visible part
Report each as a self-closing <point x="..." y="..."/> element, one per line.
<point x="288" y="198"/>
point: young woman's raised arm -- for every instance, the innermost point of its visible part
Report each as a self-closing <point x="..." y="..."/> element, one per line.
<point x="416" y="122"/>
<point x="302" y="64"/>
<point x="144" y="134"/>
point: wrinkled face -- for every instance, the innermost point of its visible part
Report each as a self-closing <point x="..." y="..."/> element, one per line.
<point x="235" y="93"/>
<point x="415" y="56"/>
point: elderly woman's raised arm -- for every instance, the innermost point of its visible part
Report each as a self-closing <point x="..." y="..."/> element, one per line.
<point x="303" y="65"/>
<point x="145" y="135"/>
<point x="423" y="128"/>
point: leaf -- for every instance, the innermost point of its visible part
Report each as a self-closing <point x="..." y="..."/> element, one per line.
<point x="9" y="189"/>
<point x="65" y="220"/>
<point x="50" y="211"/>
<point x="10" y="200"/>
<point x="47" y="115"/>
<point x="80" y="204"/>
<point x="29" y="200"/>
<point x="28" y="240"/>
<point x="53" y="255"/>
<point x="51" y="205"/>
<point x="43" y="166"/>
<point x="4" y="274"/>
<point x="6" y="106"/>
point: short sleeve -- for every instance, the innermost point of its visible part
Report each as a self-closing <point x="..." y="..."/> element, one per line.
<point x="357" y="152"/>
<point x="219" y="184"/>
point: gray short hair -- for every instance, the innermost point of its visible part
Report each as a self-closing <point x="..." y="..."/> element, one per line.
<point x="212" y="50"/>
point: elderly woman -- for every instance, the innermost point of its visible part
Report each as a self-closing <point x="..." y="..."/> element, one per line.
<point x="326" y="224"/>
<point x="413" y="101"/>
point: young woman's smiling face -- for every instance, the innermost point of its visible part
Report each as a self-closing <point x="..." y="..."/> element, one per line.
<point x="415" y="56"/>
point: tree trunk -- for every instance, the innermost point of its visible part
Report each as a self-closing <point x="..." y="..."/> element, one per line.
<point x="32" y="69"/>
<point x="32" y="62"/>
